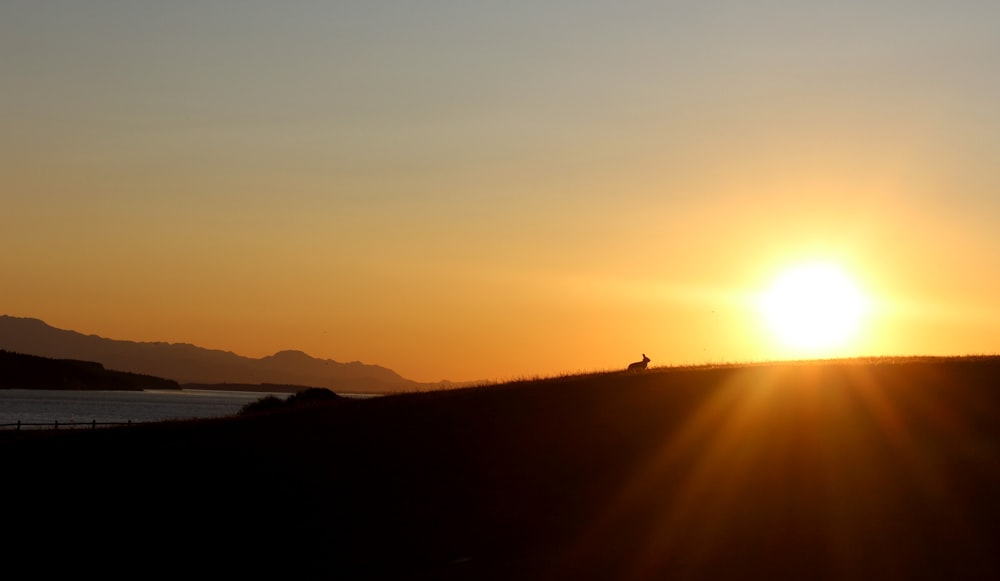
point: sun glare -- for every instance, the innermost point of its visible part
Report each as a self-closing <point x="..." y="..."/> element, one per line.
<point x="814" y="309"/>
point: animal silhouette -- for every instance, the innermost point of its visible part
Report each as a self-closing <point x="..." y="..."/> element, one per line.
<point x="639" y="365"/>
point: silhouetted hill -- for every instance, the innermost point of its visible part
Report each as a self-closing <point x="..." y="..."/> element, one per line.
<point x="19" y="371"/>
<point x="186" y="363"/>
<point x="842" y="470"/>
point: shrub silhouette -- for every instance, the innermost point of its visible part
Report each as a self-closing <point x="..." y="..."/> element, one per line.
<point x="264" y="404"/>
<point x="311" y="395"/>
<point x="305" y="397"/>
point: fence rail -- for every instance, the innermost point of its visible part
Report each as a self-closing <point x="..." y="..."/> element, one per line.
<point x="57" y="425"/>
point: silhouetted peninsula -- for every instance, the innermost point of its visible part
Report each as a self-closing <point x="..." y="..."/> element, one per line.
<point x="189" y="364"/>
<point x="20" y="371"/>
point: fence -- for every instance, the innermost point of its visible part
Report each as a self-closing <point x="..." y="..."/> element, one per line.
<point x="56" y="425"/>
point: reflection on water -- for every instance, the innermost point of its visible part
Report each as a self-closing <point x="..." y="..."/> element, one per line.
<point x="30" y="406"/>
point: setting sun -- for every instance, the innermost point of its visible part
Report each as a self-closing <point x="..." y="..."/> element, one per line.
<point x="814" y="309"/>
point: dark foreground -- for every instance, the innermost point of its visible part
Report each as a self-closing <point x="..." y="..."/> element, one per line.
<point x="833" y="471"/>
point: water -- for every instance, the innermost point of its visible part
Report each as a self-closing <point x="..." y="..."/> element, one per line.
<point x="48" y="406"/>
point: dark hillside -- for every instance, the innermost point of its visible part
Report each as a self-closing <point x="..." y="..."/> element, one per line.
<point x="20" y="371"/>
<point x="880" y="470"/>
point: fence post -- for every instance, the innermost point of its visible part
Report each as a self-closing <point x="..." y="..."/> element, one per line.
<point x="57" y="424"/>
<point x="18" y="425"/>
<point x="93" y="424"/>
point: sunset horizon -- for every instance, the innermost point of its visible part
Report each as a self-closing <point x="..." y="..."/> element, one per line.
<point x="466" y="193"/>
<point x="806" y="355"/>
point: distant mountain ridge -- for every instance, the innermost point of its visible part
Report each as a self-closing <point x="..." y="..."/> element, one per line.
<point x="186" y="363"/>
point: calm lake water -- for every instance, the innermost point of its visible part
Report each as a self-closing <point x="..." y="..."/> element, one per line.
<point x="30" y="406"/>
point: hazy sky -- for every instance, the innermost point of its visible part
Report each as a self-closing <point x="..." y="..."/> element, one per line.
<point x="487" y="190"/>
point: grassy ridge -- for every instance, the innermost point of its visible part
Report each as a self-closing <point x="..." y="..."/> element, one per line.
<point x="863" y="469"/>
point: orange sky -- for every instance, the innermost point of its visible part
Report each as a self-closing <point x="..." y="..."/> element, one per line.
<point x="462" y="192"/>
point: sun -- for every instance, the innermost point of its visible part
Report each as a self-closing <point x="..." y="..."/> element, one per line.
<point x="814" y="309"/>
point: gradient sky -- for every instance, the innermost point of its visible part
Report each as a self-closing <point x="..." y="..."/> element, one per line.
<point x="491" y="190"/>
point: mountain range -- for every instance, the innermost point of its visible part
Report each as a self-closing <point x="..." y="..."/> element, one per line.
<point x="190" y="364"/>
